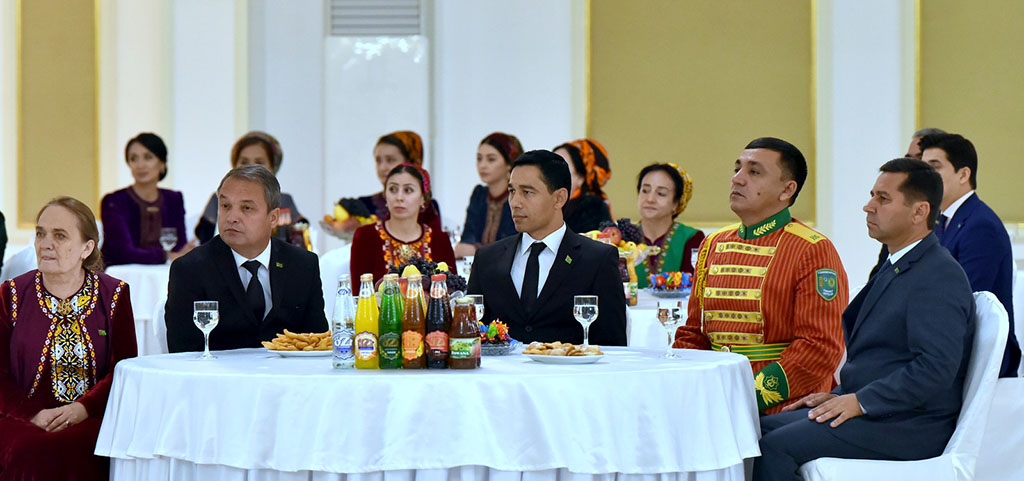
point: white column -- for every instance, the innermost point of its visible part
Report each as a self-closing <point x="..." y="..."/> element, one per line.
<point x="865" y="114"/>
<point x="8" y="121"/>
<point x="517" y="70"/>
<point x="210" y="90"/>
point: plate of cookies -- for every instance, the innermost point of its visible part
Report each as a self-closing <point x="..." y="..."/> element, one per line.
<point x="563" y="353"/>
<point x="290" y="344"/>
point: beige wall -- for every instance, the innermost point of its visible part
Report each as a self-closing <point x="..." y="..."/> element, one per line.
<point x="692" y="83"/>
<point x="972" y="83"/>
<point x="56" y="104"/>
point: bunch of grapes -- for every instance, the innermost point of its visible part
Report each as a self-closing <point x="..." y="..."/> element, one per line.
<point x="454" y="281"/>
<point x="630" y="231"/>
<point x="355" y="207"/>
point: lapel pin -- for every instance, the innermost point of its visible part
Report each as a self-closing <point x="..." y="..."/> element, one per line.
<point x="568" y="260"/>
<point x="102" y="332"/>
<point x="897" y="270"/>
<point x="279" y="265"/>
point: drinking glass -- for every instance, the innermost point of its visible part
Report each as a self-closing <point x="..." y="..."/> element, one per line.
<point x="478" y="305"/>
<point x="168" y="238"/>
<point x="693" y="258"/>
<point x="206" y="315"/>
<point x="670" y="316"/>
<point x="584" y="309"/>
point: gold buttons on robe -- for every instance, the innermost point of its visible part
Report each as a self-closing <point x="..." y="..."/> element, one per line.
<point x="726" y="349"/>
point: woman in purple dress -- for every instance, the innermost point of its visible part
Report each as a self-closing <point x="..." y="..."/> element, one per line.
<point x="63" y="327"/>
<point x="133" y="217"/>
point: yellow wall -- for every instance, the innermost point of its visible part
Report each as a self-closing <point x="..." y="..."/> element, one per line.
<point x="972" y="83"/>
<point x="56" y="104"/>
<point x="691" y="83"/>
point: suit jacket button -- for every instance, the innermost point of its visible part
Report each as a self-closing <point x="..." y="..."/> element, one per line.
<point x="529" y="328"/>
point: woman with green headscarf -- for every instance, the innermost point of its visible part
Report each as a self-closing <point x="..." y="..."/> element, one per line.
<point x="663" y="191"/>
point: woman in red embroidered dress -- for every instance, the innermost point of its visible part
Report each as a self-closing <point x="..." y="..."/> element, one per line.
<point x="63" y="327"/>
<point x="379" y="246"/>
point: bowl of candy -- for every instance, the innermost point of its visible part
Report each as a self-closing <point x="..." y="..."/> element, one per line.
<point x="494" y="339"/>
<point x="670" y="285"/>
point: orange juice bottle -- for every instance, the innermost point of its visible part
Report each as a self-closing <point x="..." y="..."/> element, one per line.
<point x="367" y="315"/>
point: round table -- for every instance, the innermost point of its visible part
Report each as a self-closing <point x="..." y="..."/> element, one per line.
<point x="253" y="415"/>
<point x="148" y="287"/>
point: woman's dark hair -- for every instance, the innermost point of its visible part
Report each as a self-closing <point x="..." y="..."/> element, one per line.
<point x="672" y="173"/>
<point x="507" y="145"/>
<point x="577" y="165"/>
<point x="86" y="222"/>
<point x="553" y="169"/>
<point x="792" y="161"/>
<point x="415" y="172"/>
<point x="152" y="143"/>
<point x="923" y="183"/>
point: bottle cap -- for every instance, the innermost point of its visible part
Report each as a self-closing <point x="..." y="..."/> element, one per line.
<point x="365" y="277"/>
<point x="438" y="278"/>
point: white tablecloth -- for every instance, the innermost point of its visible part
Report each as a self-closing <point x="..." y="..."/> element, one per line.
<point x="250" y="412"/>
<point x="148" y="286"/>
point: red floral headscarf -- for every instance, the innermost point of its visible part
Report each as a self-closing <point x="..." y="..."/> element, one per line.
<point x="408" y="142"/>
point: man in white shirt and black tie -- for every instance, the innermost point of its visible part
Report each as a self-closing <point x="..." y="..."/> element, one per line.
<point x="262" y="285"/>
<point x="529" y="280"/>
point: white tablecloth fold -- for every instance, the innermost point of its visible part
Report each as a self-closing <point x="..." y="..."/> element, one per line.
<point x="632" y="413"/>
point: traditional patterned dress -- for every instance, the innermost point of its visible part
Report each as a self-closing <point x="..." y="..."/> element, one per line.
<point x="54" y="352"/>
<point x="675" y="246"/>
<point x="375" y="250"/>
<point x="774" y="292"/>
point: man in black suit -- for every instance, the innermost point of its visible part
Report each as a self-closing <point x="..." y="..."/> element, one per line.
<point x="529" y="280"/>
<point x="908" y="341"/>
<point x="263" y="286"/>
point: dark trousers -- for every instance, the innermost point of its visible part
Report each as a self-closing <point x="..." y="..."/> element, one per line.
<point x="790" y="439"/>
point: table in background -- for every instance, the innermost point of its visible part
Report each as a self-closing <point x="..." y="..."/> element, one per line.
<point x="253" y="415"/>
<point x="642" y="326"/>
<point x="148" y="287"/>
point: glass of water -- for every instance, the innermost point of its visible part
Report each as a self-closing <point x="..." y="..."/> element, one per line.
<point x="168" y="238"/>
<point x="206" y="315"/>
<point x="478" y="305"/>
<point x="670" y="316"/>
<point x="584" y="309"/>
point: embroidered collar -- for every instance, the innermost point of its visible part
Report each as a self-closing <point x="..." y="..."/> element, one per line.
<point x="766" y="226"/>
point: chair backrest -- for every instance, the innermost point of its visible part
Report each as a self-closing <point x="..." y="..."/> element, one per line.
<point x="991" y="327"/>
<point x="19" y="263"/>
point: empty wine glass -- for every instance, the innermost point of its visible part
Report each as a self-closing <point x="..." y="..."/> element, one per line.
<point x="670" y="317"/>
<point x="584" y="309"/>
<point x="694" y="252"/>
<point x="168" y="238"/>
<point x="206" y="315"/>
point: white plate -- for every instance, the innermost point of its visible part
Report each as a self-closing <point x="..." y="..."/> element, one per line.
<point x="546" y="359"/>
<point x="301" y="353"/>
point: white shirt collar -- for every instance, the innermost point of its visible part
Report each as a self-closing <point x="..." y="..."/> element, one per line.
<point x="895" y="256"/>
<point x="552" y="241"/>
<point x="951" y="210"/>
<point x="263" y="258"/>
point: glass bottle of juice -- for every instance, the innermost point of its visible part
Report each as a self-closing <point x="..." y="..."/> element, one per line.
<point x="439" y="320"/>
<point x="464" y="336"/>
<point x="414" y="327"/>
<point x="390" y="325"/>
<point x="366" y="324"/>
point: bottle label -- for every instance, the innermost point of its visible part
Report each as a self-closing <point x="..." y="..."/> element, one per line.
<point x="366" y="346"/>
<point x="390" y="345"/>
<point x="626" y="290"/>
<point x="438" y="342"/>
<point x="343" y="344"/>
<point x="465" y="347"/>
<point x="412" y="345"/>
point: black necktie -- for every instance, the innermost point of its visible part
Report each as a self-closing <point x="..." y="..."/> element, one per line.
<point x="531" y="278"/>
<point x="940" y="228"/>
<point x="254" y="293"/>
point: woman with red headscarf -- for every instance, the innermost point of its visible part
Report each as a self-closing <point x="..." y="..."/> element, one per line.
<point x="400" y="236"/>
<point x="590" y="170"/>
<point x="392" y="150"/>
<point x="488" y="217"/>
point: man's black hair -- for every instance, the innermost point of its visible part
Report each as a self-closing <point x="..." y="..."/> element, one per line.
<point x="793" y="162"/>
<point x="922" y="183"/>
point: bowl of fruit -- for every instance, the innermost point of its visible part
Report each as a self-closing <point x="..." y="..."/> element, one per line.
<point x="627" y="237"/>
<point x="349" y="215"/>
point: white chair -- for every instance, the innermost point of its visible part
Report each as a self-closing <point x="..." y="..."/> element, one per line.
<point x="19" y="263"/>
<point x="960" y="456"/>
<point x="332" y="264"/>
<point x="157" y="343"/>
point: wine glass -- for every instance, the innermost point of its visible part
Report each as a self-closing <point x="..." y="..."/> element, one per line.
<point x="694" y="252"/>
<point x="168" y="238"/>
<point x="478" y="304"/>
<point x="584" y="309"/>
<point x="670" y="317"/>
<point x="206" y="315"/>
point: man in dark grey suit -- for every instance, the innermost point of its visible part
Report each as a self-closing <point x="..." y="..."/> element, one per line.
<point x="908" y="340"/>
<point x="529" y="280"/>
